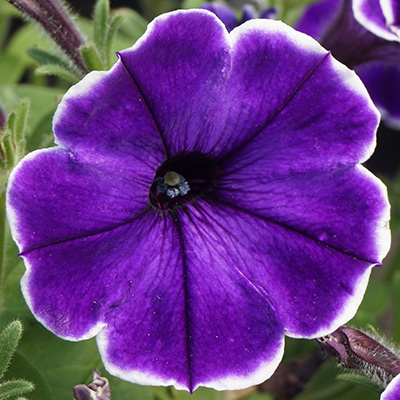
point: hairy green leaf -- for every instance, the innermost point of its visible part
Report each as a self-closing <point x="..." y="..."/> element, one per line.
<point x="100" y="26"/>
<point x="57" y="70"/>
<point x="9" y="339"/>
<point x="15" y="388"/>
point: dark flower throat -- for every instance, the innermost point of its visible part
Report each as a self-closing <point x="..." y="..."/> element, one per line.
<point x="181" y="179"/>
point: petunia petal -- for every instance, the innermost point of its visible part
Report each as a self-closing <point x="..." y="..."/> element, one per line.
<point x="270" y="63"/>
<point x="312" y="288"/>
<point x="328" y="122"/>
<point x="104" y="119"/>
<point x="181" y="65"/>
<point x="333" y="24"/>
<point x="369" y="13"/>
<point x="318" y="17"/>
<point x="350" y="213"/>
<point x="391" y="11"/>
<point x="243" y="342"/>
<point x="89" y="275"/>
<point x="392" y="392"/>
<point x="53" y="197"/>
<point x="224" y="13"/>
<point x="382" y="80"/>
<point x="192" y="321"/>
<point x="146" y="338"/>
<point x="205" y="102"/>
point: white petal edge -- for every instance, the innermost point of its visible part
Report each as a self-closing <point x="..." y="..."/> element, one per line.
<point x="230" y="382"/>
<point x="11" y="213"/>
<point x="382" y="237"/>
<point x="268" y="26"/>
<point x="353" y="82"/>
<point x="87" y="84"/>
<point x="371" y="26"/>
<point x="238" y="382"/>
<point x="387" y="10"/>
<point x="13" y="219"/>
<point x="392" y="122"/>
<point x="92" y="332"/>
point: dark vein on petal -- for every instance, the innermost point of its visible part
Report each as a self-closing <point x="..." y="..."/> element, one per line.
<point x="159" y="130"/>
<point x="290" y="228"/>
<point x="178" y="227"/>
<point x="242" y="145"/>
<point x="70" y="239"/>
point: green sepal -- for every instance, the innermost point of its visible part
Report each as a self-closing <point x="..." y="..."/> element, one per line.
<point x="360" y="380"/>
<point x="17" y="124"/>
<point x="7" y="151"/>
<point x="15" y="388"/>
<point x="9" y="339"/>
<point x="12" y="140"/>
<point x="57" y="70"/>
<point x="100" y="27"/>
<point x="91" y="57"/>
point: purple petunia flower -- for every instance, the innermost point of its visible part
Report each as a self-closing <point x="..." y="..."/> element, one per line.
<point x="204" y="200"/>
<point x="392" y="392"/>
<point x="364" y="35"/>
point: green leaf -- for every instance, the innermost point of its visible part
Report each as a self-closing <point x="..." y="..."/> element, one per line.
<point x="8" y="10"/>
<point x="11" y="68"/>
<point x="374" y="304"/>
<point x="57" y="70"/>
<point x="259" y="396"/>
<point x="21" y="366"/>
<point x="100" y="27"/>
<point x="15" y="388"/>
<point x="42" y="134"/>
<point x="43" y="100"/>
<point x="114" y="25"/>
<point x="356" y="379"/>
<point x="396" y="313"/>
<point x="325" y="386"/>
<point x="9" y="339"/>
<point x="91" y="57"/>
<point x="192" y="3"/>
<point x="45" y="57"/>
<point x="131" y="29"/>
<point x="27" y="36"/>
<point x="18" y="124"/>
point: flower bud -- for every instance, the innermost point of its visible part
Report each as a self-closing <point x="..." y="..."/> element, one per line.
<point x="99" y="389"/>
<point x="356" y="350"/>
<point x="56" y="21"/>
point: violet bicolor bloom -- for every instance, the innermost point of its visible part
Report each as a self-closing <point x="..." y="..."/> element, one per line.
<point x="392" y="392"/>
<point x="204" y="200"/>
<point x="364" y="35"/>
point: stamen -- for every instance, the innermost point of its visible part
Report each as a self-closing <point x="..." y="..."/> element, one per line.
<point x="172" y="184"/>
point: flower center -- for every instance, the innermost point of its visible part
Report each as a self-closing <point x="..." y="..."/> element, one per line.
<point x="172" y="184"/>
<point x="181" y="179"/>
